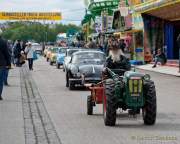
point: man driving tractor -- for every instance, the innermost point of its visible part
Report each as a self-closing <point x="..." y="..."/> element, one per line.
<point x="116" y="59"/>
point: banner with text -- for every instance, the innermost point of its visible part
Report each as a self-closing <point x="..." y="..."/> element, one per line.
<point x="30" y="16"/>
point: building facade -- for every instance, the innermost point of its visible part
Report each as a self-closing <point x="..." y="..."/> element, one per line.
<point x="161" y="25"/>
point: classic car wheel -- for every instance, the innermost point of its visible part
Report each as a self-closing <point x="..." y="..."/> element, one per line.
<point x="51" y="63"/>
<point x="58" y="66"/>
<point x="71" y="86"/>
<point x="67" y="80"/>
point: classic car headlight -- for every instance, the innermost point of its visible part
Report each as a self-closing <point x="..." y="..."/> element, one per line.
<point x="78" y="74"/>
<point x="74" y="70"/>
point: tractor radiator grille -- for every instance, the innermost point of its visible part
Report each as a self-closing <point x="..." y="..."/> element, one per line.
<point x="135" y="87"/>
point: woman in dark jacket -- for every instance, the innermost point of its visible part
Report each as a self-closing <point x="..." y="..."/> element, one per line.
<point x="5" y="61"/>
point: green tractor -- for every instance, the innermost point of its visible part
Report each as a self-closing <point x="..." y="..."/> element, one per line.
<point x="133" y="91"/>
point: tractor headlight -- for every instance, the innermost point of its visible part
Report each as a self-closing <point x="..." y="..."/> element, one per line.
<point x="116" y="78"/>
<point x="147" y="77"/>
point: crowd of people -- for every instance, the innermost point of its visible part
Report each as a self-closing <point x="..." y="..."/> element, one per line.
<point x="13" y="54"/>
<point x="102" y="43"/>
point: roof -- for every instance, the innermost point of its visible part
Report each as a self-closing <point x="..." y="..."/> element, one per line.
<point x="85" y="51"/>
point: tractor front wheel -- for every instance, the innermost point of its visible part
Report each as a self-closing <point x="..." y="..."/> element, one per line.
<point x="89" y="105"/>
<point x="109" y="103"/>
<point x="150" y="108"/>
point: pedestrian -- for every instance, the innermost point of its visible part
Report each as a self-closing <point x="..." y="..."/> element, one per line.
<point x="17" y="52"/>
<point x="91" y="44"/>
<point x="122" y="45"/>
<point x="9" y="45"/>
<point x="160" y="57"/>
<point x="29" y="50"/>
<point x="5" y="61"/>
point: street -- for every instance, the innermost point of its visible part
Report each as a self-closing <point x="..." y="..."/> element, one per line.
<point x="67" y="112"/>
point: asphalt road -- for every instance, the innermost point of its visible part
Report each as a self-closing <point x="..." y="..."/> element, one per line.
<point x="67" y="110"/>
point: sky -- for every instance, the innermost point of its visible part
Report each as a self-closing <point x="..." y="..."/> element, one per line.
<point x="72" y="10"/>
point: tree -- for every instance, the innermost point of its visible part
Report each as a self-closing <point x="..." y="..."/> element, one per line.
<point x="35" y="31"/>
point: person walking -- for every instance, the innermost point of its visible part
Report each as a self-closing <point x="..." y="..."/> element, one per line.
<point x="5" y="61"/>
<point x="29" y="50"/>
<point x="17" y="52"/>
<point x="9" y="45"/>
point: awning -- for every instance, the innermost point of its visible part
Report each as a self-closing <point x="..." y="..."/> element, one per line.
<point x="164" y="9"/>
<point x="170" y="12"/>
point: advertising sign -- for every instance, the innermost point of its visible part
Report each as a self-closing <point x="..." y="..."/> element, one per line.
<point x="30" y="16"/>
<point x="137" y="21"/>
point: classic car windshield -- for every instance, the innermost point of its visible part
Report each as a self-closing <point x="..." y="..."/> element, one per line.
<point x="89" y="57"/>
<point x="70" y="52"/>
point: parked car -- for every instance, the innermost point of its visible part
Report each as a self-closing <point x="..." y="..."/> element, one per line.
<point x="53" y="55"/>
<point x="60" y="56"/>
<point x="37" y="47"/>
<point x="85" y="67"/>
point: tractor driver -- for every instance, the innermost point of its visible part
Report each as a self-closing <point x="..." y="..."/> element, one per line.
<point x="116" y="59"/>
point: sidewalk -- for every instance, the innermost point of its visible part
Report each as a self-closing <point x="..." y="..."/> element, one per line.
<point x="161" y="69"/>
<point x="11" y="121"/>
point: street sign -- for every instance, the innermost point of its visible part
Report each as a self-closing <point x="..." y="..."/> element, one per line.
<point x="30" y="16"/>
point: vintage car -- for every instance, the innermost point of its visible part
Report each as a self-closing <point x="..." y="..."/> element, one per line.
<point x="85" y="67"/>
<point x="53" y="55"/>
<point x="68" y="55"/>
<point x="38" y="48"/>
<point x="45" y="51"/>
<point x="48" y="53"/>
<point x="60" y="56"/>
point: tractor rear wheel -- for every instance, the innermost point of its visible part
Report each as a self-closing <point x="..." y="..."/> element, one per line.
<point x="109" y="103"/>
<point x="89" y="105"/>
<point x="150" y="108"/>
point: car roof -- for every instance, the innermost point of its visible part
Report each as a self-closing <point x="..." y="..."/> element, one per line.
<point x="63" y="47"/>
<point x="85" y="51"/>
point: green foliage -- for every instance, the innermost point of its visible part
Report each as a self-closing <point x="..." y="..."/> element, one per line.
<point x="35" y="31"/>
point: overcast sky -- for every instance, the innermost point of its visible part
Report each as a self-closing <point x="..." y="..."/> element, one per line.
<point x="72" y="10"/>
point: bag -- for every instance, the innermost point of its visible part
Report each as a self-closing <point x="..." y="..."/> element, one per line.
<point x="22" y="59"/>
<point x="35" y="57"/>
